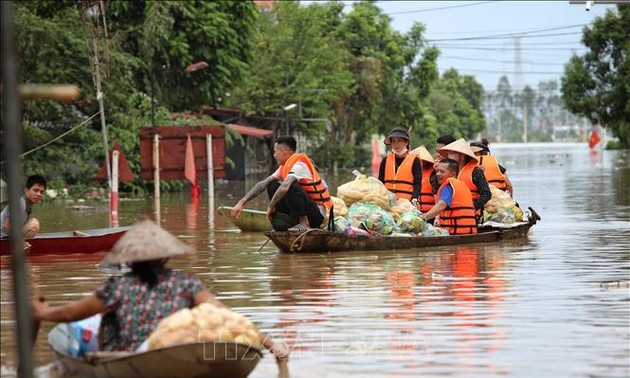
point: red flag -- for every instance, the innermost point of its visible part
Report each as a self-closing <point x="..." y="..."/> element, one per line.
<point x="376" y="157"/>
<point x="190" y="170"/>
<point x="592" y="142"/>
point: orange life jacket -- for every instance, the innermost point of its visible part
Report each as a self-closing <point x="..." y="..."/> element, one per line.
<point x="314" y="188"/>
<point x="465" y="175"/>
<point x="459" y="218"/>
<point x="399" y="182"/>
<point x="427" y="198"/>
<point x="492" y="171"/>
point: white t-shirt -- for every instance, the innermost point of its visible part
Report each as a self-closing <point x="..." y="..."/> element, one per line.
<point x="299" y="171"/>
<point x="6" y="215"/>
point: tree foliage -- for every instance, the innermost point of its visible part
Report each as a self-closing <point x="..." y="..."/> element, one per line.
<point x="350" y="73"/>
<point x="597" y="84"/>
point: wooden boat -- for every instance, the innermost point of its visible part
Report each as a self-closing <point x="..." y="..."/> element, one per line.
<point x="57" y="243"/>
<point x="248" y="221"/>
<point x="318" y="240"/>
<point x="202" y="359"/>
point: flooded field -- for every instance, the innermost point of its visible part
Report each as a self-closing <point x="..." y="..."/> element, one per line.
<point x="555" y="305"/>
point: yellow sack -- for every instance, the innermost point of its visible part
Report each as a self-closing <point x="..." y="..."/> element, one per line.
<point x="500" y="200"/>
<point x="205" y="322"/>
<point x="340" y="208"/>
<point x="402" y="206"/>
<point x="365" y="189"/>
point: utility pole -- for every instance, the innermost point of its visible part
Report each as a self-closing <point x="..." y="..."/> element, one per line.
<point x="525" y="121"/>
<point x="92" y="14"/>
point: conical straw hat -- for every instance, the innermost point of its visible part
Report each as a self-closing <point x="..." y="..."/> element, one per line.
<point x="460" y="146"/>
<point x="424" y="154"/>
<point x="146" y="241"/>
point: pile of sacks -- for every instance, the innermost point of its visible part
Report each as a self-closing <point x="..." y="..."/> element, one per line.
<point x="366" y="207"/>
<point x="366" y="189"/>
<point x="501" y="208"/>
<point x="205" y="322"/>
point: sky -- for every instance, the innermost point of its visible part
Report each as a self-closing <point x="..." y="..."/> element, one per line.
<point x="551" y="32"/>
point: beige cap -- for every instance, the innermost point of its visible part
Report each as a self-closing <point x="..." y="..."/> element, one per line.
<point x="460" y="146"/>
<point x="423" y="154"/>
<point x="145" y="241"/>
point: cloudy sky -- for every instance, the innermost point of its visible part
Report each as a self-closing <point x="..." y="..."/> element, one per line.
<point x="480" y="38"/>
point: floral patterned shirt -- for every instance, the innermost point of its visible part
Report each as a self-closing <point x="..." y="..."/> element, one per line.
<point x="134" y="310"/>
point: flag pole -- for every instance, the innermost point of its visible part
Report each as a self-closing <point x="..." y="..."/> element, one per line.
<point x="210" y="179"/>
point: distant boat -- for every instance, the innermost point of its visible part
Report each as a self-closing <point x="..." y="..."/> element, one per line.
<point x="58" y="243"/>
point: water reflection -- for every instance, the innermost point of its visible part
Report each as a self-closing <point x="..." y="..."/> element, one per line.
<point x="527" y="308"/>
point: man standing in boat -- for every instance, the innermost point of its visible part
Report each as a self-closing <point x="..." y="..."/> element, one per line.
<point x="33" y="193"/>
<point x="299" y="199"/>
<point x="454" y="203"/>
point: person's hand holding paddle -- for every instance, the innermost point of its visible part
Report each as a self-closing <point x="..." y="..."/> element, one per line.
<point x="237" y="209"/>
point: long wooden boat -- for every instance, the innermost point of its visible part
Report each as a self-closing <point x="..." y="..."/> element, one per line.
<point x="248" y="221"/>
<point x="202" y="359"/>
<point x="318" y="240"/>
<point x="58" y="243"/>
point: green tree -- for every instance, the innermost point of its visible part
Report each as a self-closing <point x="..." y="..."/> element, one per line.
<point x="597" y="84"/>
<point x="456" y="103"/>
<point x="297" y="60"/>
<point x="393" y="73"/>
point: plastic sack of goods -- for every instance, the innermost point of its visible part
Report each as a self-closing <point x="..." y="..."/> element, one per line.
<point x="366" y="189"/>
<point x="204" y="323"/>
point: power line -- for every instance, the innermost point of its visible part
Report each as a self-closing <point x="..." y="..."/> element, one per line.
<point x="511" y="72"/>
<point x="441" y="8"/>
<point x="516" y="31"/>
<point x="500" y="61"/>
<point x="459" y="47"/>
<point x="503" y="36"/>
<point x="472" y="43"/>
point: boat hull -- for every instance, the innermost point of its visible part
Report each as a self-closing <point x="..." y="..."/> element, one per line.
<point x="318" y="240"/>
<point x="203" y="359"/>
<point x="248" y="221"/>
<point x="58" y="243"/>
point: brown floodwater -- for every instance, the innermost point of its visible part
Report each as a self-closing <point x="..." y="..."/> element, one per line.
<point x="520" y="309"/>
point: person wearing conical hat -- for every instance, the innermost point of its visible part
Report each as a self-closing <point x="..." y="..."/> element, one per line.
<point x="426" y="200"/>
<point x="495" y="173"/>
<point x="401" y="171"/>
<point x="133" y="304"/>
<point x="469" y="172"/>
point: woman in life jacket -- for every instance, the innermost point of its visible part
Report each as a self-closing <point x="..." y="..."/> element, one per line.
<point x="469" y="172"/>
<point x="495" y="173"/>
<point x="426" y="200"/>
<point x="401" y="171"/>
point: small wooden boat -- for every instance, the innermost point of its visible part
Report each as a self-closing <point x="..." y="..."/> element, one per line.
<point x="318" y="240"/>
<point x="202" y="359"/>
<point x="57" y="243"/>
<point x="248" y="221"/>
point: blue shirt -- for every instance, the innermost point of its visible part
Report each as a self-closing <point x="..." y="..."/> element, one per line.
<point x="447" y="195"/>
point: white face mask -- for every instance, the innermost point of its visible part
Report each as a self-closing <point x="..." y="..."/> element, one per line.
<point x="453" y="155"/>
<point x="401" y="152"/>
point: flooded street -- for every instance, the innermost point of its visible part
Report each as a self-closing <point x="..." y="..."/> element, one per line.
<point x="520" y="309"/>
